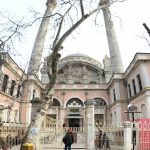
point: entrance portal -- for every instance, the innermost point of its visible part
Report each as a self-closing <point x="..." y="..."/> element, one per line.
<point x="74" y="122"/>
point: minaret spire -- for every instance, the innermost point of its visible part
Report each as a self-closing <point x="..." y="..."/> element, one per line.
<point x="36" y="55"/>
<point x="116" y="61"/>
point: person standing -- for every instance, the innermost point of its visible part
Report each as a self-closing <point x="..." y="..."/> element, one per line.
<point x="100" y="139"/>
<point x="68" y="139"/>
<point x="106" y="144"/>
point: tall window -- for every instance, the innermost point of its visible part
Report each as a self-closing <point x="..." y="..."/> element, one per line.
<point x="143" y="110"/>
<point x="34" y="92"/>
<point x="18" y="91"/>
<point x="16" y="116"/>
<point x="114" y="95"/>
<point x="5" y="83"/>
<point x="1" y="113"/>
<point x="134" y="86"/>
<point x="139" y="82"/>
<point x="13" y="83"/>
<point x="129" y="88"/>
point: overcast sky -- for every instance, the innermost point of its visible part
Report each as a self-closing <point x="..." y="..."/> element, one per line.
<point x="128" y="18"/>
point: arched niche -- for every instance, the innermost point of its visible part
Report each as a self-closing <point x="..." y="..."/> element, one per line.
<point x="74" y="102"/>
<point x="56" y="102"/>
<point x="99" y="102"/>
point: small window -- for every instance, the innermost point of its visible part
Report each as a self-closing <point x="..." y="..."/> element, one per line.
<point x="134" y="86"/>
<point x="143" y="110"/>
<point x="114" y="95"/>
<point x="18" y="91"/>
<point x="13" y="83"/>
<point x="34" y="92"/>
<point x="5" y="83"/>
<point x="139" y="82"/>
<point x="129" y="89"/>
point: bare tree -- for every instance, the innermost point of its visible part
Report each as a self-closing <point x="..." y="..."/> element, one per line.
<point x="146" y="28"/>
<point x="65" y="10"/>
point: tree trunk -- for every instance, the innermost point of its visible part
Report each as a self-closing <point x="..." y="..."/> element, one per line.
<point x="36" y="123"/>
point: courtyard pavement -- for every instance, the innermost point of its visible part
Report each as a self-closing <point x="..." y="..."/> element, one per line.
<point x="74" y="146"/>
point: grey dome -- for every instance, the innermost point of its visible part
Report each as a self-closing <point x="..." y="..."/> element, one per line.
<point x="82" y="58"/>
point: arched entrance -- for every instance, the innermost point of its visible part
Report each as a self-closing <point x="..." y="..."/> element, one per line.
<point x="74" y="117"/>
<point x="99" y="115"/>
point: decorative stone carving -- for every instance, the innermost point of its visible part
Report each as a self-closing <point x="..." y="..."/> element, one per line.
<point x="79" y="69"/>
<point x="74" y="104"/>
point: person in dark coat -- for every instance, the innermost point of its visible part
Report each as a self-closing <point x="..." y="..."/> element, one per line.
<point x="68" y="139"/>
<point x="106" y="144"/>
<point x="100" y="139"/>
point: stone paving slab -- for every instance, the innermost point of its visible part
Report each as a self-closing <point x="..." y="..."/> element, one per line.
<point x="76" y="146"/>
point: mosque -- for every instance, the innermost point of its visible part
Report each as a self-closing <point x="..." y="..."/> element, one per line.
<point x="83" y="78"/>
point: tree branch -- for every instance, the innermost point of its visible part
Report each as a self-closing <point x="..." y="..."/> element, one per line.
<point x="147" y="29"/>
<point x="82" y="8"/>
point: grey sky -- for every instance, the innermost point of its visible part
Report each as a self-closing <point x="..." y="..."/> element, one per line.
<point x="128" y="18"/>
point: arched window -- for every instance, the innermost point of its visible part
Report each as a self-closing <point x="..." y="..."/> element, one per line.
<point x="13" y="83"/>
<point x="114" y="95"/>
<point x="75" y="101"/>
<point x="16" y="116"/>
<point x="8" y="115"/>
<point x="5" y="83"/>
<point x="18" y="91"/>
<point x="129" y="89"/>
<point x="134" y="86"/>
<point x="33" y="95"/>
<point x="56" y="102"/>
<point x="139" y="82"/>
<point x="143" y="110"/>
<point x="99" y="102"/>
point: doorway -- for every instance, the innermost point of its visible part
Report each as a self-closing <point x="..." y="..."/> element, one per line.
<point x="74" y="122"/>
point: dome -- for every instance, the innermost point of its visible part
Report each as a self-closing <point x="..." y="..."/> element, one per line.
<point x="82" y="58"/>
<point x="77" y="55"/>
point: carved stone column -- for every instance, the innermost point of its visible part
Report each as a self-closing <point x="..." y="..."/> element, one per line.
<point x="89" y="125"/>
<point x="127" y="135"/>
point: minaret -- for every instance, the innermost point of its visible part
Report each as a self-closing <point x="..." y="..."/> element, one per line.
<point x="36" y="56"/>
<point x="116" y="61"/>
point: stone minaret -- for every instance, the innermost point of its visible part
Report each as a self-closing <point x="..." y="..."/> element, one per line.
<point x="116" y="61"/>
<point x="36" y="55"/>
